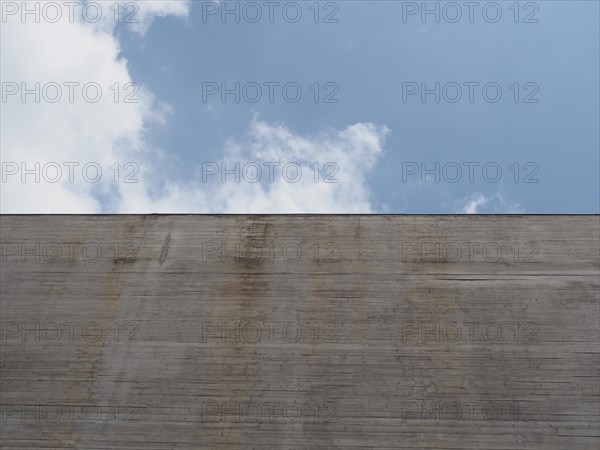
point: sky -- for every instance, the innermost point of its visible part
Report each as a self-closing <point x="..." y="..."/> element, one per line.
<point x="164" y="106"/>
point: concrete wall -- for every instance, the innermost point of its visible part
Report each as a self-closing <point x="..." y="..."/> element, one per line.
<point x="350" y="332"/>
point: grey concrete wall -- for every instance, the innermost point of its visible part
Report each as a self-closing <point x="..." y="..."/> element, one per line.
<point x="350" y="332"/>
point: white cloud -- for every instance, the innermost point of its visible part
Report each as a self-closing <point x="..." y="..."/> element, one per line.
<point x="107" y="132"/>
<point x="475" y="201"/>
<point x="38" y="131"/>
<point x="354" y="151"/>
<point x="496" y="203"/>
<point x="149" y="10"/>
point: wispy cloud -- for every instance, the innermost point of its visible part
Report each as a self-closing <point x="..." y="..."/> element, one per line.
<point x="351" y="154"/>
<point x="150" y="10"/>
<point x="477" y="203"/>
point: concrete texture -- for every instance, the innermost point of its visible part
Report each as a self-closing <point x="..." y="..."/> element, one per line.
<point x="290" y="332"/>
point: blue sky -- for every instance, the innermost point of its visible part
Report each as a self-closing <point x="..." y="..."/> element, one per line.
<point x="370" y="57"/>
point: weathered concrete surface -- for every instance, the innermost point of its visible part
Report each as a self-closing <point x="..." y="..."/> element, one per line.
<point x="177" y="337"/>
